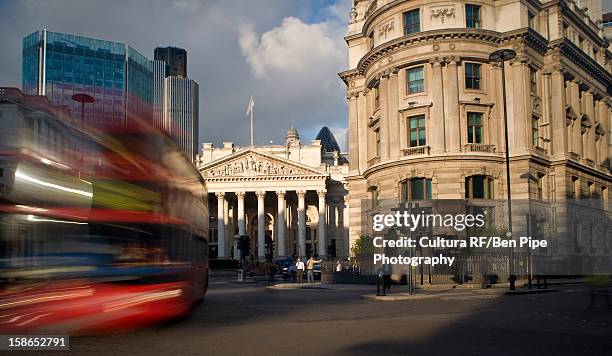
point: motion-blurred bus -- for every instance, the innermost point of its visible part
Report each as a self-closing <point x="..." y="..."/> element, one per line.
<point x="101" y="230"/>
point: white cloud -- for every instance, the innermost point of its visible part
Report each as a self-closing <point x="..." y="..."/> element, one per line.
<point x="341" y="135"/>
<point x="293" y="48"/>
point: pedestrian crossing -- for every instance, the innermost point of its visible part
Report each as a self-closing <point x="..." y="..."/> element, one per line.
<point x="470" y="296"/>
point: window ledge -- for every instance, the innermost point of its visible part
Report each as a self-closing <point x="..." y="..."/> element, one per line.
<point x="480" y="148"/>
<point x="416" y="151"/>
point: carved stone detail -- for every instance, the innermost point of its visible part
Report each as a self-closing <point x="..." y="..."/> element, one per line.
<point x="385" y="29"/>
<point x="251" y="165"/>
<point x="443" y="11"/>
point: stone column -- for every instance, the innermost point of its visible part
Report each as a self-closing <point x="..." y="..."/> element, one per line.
<point x="301" y="224"/>
<point x="602" y="114"/>
<point x="280" y="224"/>
<point x="261" y="221"/>
<point x="241" y="229"/>
<point x="383" y="88"/>
<point x="436" y="129"/>
<point x="558" y="116"/>
<point x="228" y="228"/>
<point x="393" y="102"/>
<point x="590" y="136"/>
<point x="577" y="126"/>
<point x="322" y="224"/>
<point x="519" y="105"/>
<point x="353" y="139"/>
<point x="220" y="225"/>
<point x="451" y="123"/>
<point x="362" y="140"/>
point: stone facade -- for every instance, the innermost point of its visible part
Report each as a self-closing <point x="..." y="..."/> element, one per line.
<point x="412" y="60"/>
<point x="290" y="196"/>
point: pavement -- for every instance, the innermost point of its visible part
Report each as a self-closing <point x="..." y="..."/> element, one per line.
<point x="252" y="319"/>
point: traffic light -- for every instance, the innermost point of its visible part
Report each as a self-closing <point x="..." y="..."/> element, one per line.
<point x="269" y="249"/>
<point x="244" y="245"/>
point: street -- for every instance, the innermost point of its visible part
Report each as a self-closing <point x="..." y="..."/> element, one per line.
<point x="252" y="319"/>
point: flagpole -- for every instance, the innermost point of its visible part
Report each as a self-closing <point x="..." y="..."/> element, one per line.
<point x="252" y="127"/>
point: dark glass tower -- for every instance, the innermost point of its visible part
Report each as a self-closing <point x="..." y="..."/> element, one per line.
<point x="328" y="141"/>
<point x="176" y="58"/>
<point x="119" y="78"/>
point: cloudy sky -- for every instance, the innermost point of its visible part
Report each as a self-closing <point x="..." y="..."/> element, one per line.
<point x="286" y="53"/>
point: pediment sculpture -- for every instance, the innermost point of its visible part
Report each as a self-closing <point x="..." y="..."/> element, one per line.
<point x="252" y="165"/>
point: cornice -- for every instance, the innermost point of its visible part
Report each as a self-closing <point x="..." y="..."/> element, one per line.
<point x="578" y="21"/>
<point x="575" y="54"/>
<point x="530" y="37"/>
<point x="347" y="75"/>
<point x="425" y="36"/>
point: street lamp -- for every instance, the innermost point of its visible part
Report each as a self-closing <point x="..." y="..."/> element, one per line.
<point x="500" y="56"/>
<point x="529" y="177"/>
<point x="82" y="98"/>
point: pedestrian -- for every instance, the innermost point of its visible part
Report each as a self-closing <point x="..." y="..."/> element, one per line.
<point x="299" y="266"/>
<point x="310" y="267"/>
<point x="338" y="266"/>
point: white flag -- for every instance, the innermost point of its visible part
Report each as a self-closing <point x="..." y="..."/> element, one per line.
<point x="250" y="106"/>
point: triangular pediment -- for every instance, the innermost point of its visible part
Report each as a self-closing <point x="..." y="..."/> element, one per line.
<point x="254" y="163"/>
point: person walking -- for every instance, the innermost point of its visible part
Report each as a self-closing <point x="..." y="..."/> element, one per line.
<point x="338" y="266"/>
<point x="310" y="267"/>
<point x="299" y="266"/>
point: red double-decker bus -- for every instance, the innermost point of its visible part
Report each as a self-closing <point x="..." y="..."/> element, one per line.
<point x="100" y="229"/>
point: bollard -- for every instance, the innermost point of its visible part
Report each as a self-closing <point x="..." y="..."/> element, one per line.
<point x="380" y="287"/>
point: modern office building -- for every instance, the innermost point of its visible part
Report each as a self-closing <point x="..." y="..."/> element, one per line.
<point x="426" y="117"/>
<point x="176" y="99"/>
<point x="176" y="59"/>
<point x="118" y="77"/>
<point x="160" y="70"/>
<point x="181" y="113"/>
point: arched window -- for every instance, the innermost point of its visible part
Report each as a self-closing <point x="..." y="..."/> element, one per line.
<point x="479" y="187"/>
<point x="416" y="189"/>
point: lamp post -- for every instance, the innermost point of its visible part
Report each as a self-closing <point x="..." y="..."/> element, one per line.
<point x="529" y="177"/>
<point x="500" y="56"/>
<point x="82" y="98"/>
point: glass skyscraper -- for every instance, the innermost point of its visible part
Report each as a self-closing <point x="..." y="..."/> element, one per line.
<point x="175" y="99"/>
<point x="118" y="77"/>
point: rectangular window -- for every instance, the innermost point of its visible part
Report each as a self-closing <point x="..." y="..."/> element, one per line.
<point x="377" y="141"/>
<point x="539" y="188"/>
<point x="416" y="127"/>
<point x="478" y="187"/>
<point x="472" y="76"/>
<point x="472" y="16"/>
<point x="474" y="127"/>
<point x="412" y="22"/>
<point x="416" y="81"/>
<point x="533" y="81"/>
<point x="575" y="188"/>
<point x="591" y="190"/>
<point x="535" y="131"/>
<point x="531" y="20"/>
<point x="376" y="97"/>
<point x="416" y="189"/>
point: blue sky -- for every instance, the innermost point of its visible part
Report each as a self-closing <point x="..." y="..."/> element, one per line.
<point x="284" y="52"/>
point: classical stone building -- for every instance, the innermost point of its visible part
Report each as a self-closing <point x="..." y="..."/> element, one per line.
<point x="290" y="196"/>
<point x="425" y="105"/>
